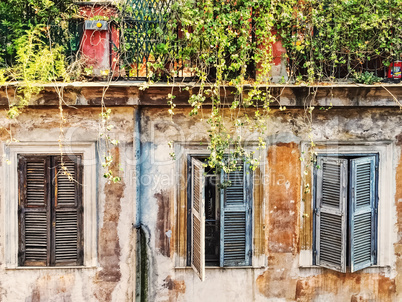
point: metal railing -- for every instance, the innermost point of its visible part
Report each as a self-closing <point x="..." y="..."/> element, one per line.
<point x="143" y="30"/>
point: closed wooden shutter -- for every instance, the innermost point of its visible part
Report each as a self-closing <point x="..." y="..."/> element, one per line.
<point x="236" y="197"/>
<point x="67" y="229"/>
<point x="50" y="211"/>
<point x="198" y="219"/>
<point x="330" y="213"/>
<point x="34" y="210"/>
<point x="362" y="220"/>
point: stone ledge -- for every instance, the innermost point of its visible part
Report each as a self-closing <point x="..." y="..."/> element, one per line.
<point x="131" y="94"/>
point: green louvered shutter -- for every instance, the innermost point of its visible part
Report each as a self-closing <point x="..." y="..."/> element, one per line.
<point x="67" y="230"/>
<point x="198" y="219"/>
<point x="236" y="200"/>
<point x="34" y="210"/>
<point x="362" y="220"/>
<point x="330" y="213"/>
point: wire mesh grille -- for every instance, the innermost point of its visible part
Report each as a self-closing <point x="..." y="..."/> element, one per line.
<point x="143" y="29"/>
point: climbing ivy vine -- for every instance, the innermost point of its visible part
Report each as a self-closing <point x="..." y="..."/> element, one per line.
<point x="229" y="43"/>
<point x="224" y="46"/>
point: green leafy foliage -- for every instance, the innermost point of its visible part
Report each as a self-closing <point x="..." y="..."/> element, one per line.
<point x="321" y="36"/>
<point x="225" y="46"/>
<point x="17" y="16"/>
<point x="367" y="78"/>
<point x="229" y="44"/>
<point x="36" y="63"/>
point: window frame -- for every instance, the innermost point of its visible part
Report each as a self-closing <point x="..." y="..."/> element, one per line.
<point x="386" y="235"/>
<point x="10" y="198"/>
<point x="348" y="206"/>
<point x="183" y="149"/>
<point x="250" y="221"/>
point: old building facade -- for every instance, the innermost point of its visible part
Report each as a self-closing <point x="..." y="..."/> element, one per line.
<point x="295" y="233"/>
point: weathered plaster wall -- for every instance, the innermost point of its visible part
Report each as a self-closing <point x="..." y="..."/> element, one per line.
<point x="112" y="278"/>
<point x="281" y="232"/>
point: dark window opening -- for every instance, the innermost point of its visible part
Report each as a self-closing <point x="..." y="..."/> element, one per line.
<point x="212" y="223"/>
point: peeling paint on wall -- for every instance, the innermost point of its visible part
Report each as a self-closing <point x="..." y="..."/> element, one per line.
<point x="283" y="233"/>
<point x="175" y="287"/>
<point x="346" y="287"/>
<point x="48" y="288"/>
<point x="163" y="223"/>
<point x="109" y="246"/>
<point x="279" y="233"/>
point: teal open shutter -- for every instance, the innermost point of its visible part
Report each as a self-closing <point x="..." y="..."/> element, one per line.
<point x="362" y="218"/>
<point x="236" y="201"/>
<point x="330" y="213"/>
<point x="198" y="218"/>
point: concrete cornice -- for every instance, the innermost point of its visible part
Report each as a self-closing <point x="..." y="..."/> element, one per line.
<point x="131" y="93"/>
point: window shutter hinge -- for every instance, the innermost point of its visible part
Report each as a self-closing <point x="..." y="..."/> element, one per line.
<point x="315" y="253"/>
<point x="376" y="210"/>
<point x="315" y="211"/>
<point x="249" y="253"/>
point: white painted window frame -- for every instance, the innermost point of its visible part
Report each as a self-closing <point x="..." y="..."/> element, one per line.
<point x="9" y="196"/>
<point x="386" y="195"/>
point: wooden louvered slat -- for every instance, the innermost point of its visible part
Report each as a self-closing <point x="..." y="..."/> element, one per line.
<point x="36" y="238"/>
<point x="331" y="203"/>
<point x="198" y="219"/>
<point x="236" y="201"/>
<point x="34" y="233"/>
<point x="66" y="184"/>
<point x="67" y="212"/>
<point x="235" y="191"/>
<point x="197" y="183"/>
<point x="66" y="237"/>
<point x="331" y="239"/>
<point x="50" y="211"/>
<point x="197" y="243"/>
<point x="35" y="182"/>
<point x="235" y="236"/>
<point x="362" y="217"/>
<point x="330" y="184"/>
<point x="362" y="189"/>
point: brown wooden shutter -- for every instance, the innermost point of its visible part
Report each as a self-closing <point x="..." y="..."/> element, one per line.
<point x="34" y="214"/>
<point x="67" y="214"/>
<point x="198" y="219"/>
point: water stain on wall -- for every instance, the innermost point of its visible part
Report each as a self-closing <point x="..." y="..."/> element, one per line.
<point x="175" y="288"/>
<point x="109" y="247"/>
<point x="53" y="288"/>
<point x="284" y="197"/>
<point x="163" y="225"/>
